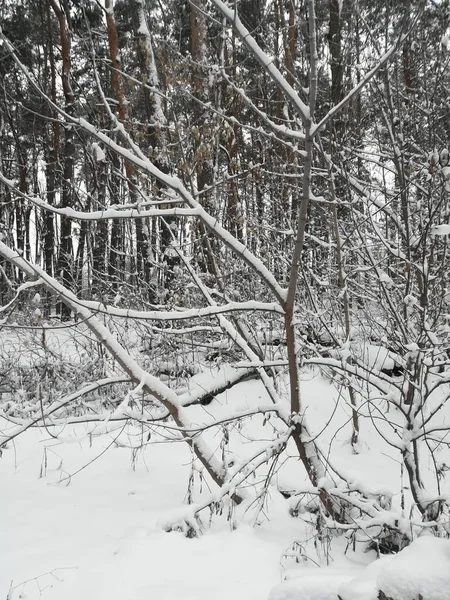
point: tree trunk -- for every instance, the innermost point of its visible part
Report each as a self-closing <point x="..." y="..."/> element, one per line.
<point x="65" y="258"/>
<point x="117" y="242"/>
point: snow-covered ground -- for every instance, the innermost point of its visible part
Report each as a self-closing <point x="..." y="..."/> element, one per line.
<point x="96" y="534"/>
<point x="83" y="515"/>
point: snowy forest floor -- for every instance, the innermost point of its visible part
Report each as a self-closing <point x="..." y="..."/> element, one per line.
<point x="98" y="532"/>
<point x="100" y="537"/>
<point x="83" y="515"/>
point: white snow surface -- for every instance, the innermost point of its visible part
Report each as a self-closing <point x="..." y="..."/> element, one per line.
<point x="96" y="535"/>
<point x="364" y="586"/>
<point x="441" y="230"/>
<point x="420" y="569"/>
<point x="82" y="516"/>
<point x="378" y="357"/>
<point x="313" y="584"/>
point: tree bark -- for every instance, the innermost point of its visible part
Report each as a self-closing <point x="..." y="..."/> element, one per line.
<point x="65" y="257"/>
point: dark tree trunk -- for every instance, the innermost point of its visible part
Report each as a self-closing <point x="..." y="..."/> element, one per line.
<point x="65" y="257"/>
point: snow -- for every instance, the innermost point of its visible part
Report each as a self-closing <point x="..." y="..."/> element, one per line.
<point x="446" y="172"/>
<point x="136" y="157"/>
<point x="378" y="357"/>
<point x="266" y="61"/>
<point x="364" y="586"/>
<point x="356" y="89"/>
<point x="97" y="534"/>
<point x="99" y="155"/>
<point x="384" y="278"/>
<point x="441" y="230"/>
<point x="422" y="568"/>
<point x="83" y="514"/>
<point x="192" y="313"/>
<point x="113" y="213"/>
<point x="151" y="67"/>
<point x="310" y="586"/>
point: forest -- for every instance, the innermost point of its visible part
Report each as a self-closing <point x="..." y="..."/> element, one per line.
<point x="225" y="299"/>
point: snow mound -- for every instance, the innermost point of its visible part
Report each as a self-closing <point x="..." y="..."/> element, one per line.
<point x="365" y="585"/>
<point x="422" y="569"/>
<point x="380" y="358"/>
<point x="419" y="572"/>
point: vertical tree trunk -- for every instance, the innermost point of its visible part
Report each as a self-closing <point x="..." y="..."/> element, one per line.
<point x="117" y="253"/>
<point x="52" y="151"/>
<point x="65" y="258"/>
<point x="234" y="214"/>
<point x="203" y="148"/>
<point x="19" y="206"/>
<point x="335" y="46"/>
<point x="99" y="232"/>
<point x="156" y="120"/>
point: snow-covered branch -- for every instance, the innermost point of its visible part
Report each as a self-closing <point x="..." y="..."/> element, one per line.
<point x="267" y="62"/>
<point x="41" y="417"/>
<point x="182" y="315"/>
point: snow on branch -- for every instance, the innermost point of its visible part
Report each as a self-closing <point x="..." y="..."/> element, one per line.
<point x="242" y="472"/>
<point x="364" y="81"/>
<point x="264" y="59"/>
<point x="57" y="405"/>
<point x="279" y="129"/>
<point x="233" y="333"/>
<point x="25" y="286"/>
<point x="101" y="215"/>
<point x="181" y="315"/>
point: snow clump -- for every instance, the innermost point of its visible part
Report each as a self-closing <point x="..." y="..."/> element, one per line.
<point x="419" y="572"/>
